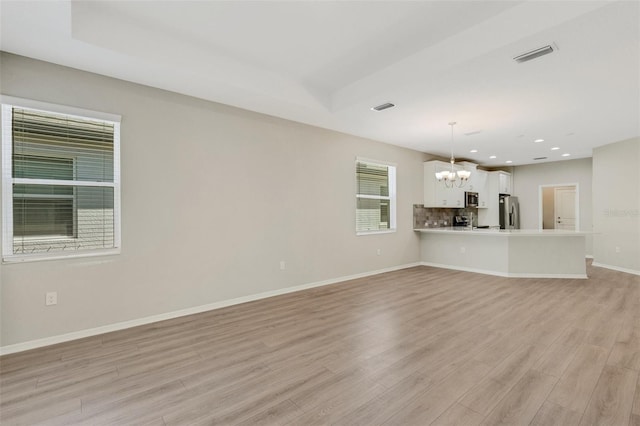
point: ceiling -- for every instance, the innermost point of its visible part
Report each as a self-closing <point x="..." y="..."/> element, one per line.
<point x="326" y="63"/>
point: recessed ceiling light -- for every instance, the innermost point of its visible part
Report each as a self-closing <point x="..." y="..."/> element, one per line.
<point x="566" y="154"/>
<point x="555" y="148"/>
<point x="474" y="150"/>
<point x="508" y="161"/>
<point x="492" y="157"/>
<point x="539" y="140"/>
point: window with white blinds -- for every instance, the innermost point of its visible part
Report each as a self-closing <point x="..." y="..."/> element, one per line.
<point x="375" y="197"/>
<point x="61" y="186"/>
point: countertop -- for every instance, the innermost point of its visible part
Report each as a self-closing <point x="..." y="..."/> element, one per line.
<point x="503" y="232"/>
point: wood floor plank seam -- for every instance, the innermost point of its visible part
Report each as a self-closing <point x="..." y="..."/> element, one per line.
<point x="593" y="391"/>
<point x="420" y="346"/>
<point x="619" y="413"/>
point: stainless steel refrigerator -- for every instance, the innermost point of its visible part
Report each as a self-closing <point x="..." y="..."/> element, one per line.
<point x="509" y="212"/>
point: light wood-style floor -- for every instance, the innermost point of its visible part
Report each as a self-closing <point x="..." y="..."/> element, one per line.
<point x="421" y="346"/>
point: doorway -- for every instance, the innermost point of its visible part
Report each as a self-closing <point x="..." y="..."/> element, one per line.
<point x="559" y="207"/>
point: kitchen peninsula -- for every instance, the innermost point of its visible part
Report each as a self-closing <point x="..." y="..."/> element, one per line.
<point x="508" y="253"/>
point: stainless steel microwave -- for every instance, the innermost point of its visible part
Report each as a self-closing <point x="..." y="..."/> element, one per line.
<point x="471" y="199"/>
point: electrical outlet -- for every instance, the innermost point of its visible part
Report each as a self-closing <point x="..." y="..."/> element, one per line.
<point x="379" y="252"/>
<point x="51" y="298"/>
<point x="282" y="265"/>
<point x="617" y="249"/>
<point x="463" y="249"/>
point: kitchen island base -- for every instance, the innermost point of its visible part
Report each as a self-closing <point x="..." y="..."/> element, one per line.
<point x="519" y="253"/>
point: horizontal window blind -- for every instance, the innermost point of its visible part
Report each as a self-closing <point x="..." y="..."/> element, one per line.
<point x="372" y="179"/>
<point x="372" y="215"/>
<point x="63" y="187"/>
<point x="45" y="144"/>
<point x="375" y="197"/>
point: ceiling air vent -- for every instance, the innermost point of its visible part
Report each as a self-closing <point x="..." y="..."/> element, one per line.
<point x="540" y="158"/>
<point x="534" y="54"/>
<point x="383" y="106"/>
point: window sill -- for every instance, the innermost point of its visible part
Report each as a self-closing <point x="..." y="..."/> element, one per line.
<point x="23" y="258"/>
<point x="383" y="231"/>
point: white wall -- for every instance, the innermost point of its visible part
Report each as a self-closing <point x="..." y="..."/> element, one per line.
<point x="213" y="198"/>
<point x="548" y="206"/>
<point x="527" y="181"/>
<point x="616" y="205"/>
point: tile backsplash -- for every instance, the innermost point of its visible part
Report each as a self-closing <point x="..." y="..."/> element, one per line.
<point x="427" y="217"/>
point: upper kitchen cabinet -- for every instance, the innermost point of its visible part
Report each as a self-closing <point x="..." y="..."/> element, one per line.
<point x="472" y="184"/>
<point x="504" y="179"/>
<point x="436" y="194"/>
<point x="497" y="183"/>
<point x="477" y="182"/>
<point x="480" y="179"/>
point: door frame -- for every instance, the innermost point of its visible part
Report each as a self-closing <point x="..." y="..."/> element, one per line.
<point x="553" y="185"/>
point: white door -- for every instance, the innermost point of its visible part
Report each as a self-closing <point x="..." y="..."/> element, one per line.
<point x="565" y="208"/>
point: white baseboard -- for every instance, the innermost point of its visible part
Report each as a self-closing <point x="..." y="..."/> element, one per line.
<point x="616" y="268"/>
<point x="504" y="274"/>
<point x="560" y="276"/>
<point x="465" y="269"/>
<point x="47" y="341"/>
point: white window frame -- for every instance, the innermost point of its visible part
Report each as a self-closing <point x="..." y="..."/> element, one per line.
<point x="8" y="103"/>
<point x="392" y="171"/>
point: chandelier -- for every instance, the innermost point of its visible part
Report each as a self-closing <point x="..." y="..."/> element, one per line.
<point x="453" y="179"/>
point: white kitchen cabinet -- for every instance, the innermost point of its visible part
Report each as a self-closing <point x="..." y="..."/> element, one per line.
<point x="497" y="183"/>
<point x="504" y="179"/>
<point x="470" y="167"/>
<point x="479" y="178"/>
<point x="436" y="194"/>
